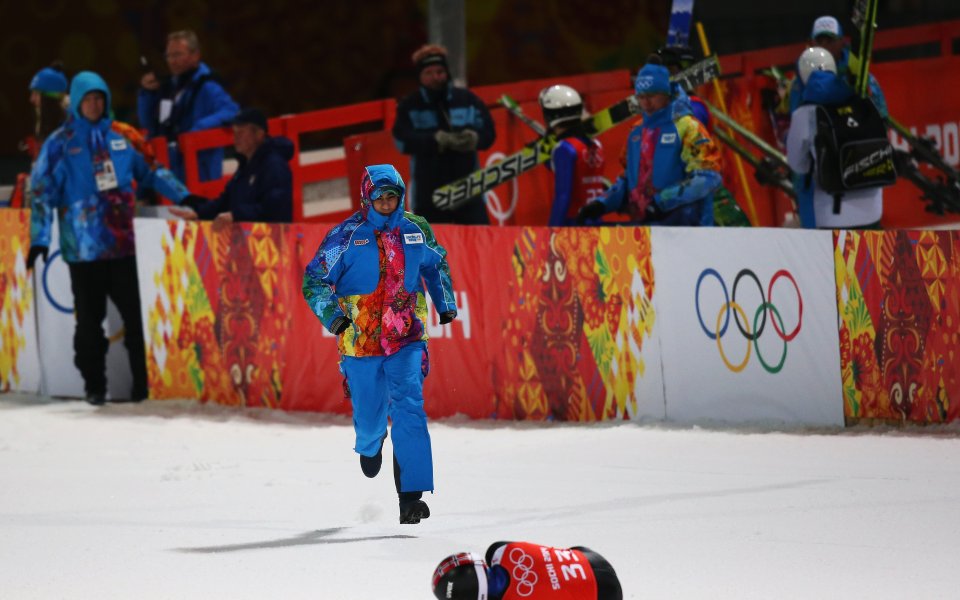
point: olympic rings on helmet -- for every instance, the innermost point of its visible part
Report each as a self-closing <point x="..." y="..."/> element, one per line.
<point x="740" y="317"/>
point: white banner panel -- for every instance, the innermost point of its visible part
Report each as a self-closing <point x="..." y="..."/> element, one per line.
<point x="748" y="325"/>
<point x="56" y="324"/>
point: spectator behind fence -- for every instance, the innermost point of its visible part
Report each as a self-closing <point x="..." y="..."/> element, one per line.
<point x="673" y="165"/>
<point x="261" y="189"/>
<point x="366" y="285"/>
<point x="48" y="95"/>
<point x="827" y="34"/>
<point x="577" y="161"/>
<point x="85" y="173"/>
<point x="191" y="99"/>
<point x="831" y="113"/>
<point x="525" y="570"/>
<point x="442" y="127"/>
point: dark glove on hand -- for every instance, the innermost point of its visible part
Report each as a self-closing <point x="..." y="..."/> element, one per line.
<point x="339" y="325"/>
<point x="465" y="141"/>
<point x="591" y="211"/>
<point x="445" y="140"/>
<point x="447" y="316"/>
<point x="36" y="251"/>
<point x="193" y="201"/>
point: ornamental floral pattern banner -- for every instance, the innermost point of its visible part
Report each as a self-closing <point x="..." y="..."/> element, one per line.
<point x="899" y="304"/>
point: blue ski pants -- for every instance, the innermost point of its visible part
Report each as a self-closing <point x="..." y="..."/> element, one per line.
<point x="382" y="386"/>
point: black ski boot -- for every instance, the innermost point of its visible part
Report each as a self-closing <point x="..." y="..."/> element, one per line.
<point x="370" y="465"/>
<point x="412" y="511"/>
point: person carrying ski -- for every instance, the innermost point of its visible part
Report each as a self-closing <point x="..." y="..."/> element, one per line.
<point x="524" y="570"/>
<point x="441" y="127"/>
<point x="366" y="285"/>
<point x="577" y="161"/>
<point x="672" y="166"/>
<point x="816" y="207"/>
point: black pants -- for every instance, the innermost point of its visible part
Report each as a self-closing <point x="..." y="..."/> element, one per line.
<point x="92" y="283"/>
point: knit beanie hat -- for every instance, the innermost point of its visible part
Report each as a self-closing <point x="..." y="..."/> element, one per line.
<point x="428" y="55"/>
<point x="653" y="79"/>
<point x="49" y="81"/>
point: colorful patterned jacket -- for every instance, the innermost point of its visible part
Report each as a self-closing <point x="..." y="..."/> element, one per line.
<point x="94" y="224"/>
<point x="371" y="268"/>
<point x="673" y="164"/>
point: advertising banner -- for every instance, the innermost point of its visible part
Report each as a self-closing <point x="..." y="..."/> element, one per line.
<point x="899" y="301"/>
<point x="748" y="325"/>
<point x="552" y="324"/>
<point x="19" y="359"/>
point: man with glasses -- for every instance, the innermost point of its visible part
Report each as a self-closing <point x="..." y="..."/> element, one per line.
<point x="190" y="100"/>
<point x="366" y="285"/>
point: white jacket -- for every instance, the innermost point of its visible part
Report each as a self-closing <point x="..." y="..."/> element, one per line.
<point x="858" y="207"/>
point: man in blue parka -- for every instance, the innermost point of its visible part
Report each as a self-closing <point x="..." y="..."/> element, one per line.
<point x="191" y="100"/>
<point x="366" y="284"/>
<point x="85" y="174"/>
<point x="672" y="166"/>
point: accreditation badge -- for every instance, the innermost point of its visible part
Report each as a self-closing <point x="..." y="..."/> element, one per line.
<point x="105" y="175"/>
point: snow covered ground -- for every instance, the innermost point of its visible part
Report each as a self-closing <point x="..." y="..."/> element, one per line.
<point x="177" y="500"/>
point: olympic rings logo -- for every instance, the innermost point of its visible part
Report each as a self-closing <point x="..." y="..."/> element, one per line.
<point x="522" y="572"/>
<point x="759" y="317"/>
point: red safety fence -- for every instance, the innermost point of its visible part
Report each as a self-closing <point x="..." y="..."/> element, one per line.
<point x="526" y="201"/>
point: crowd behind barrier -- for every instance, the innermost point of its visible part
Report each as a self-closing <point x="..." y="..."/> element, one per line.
<point x="762" y="325"/>
<point x="526" y="200"/>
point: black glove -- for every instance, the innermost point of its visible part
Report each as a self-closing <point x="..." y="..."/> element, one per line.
<point x="193" y="201"/>
<point x="465" y="141"/>
<point x="339" y="325"/>
<point x="590" y="211"/>
<point x="447" y="316"/>
<point x="36" y="251"/>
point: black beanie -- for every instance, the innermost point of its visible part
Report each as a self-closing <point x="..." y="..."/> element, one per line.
<point x="432" y="59"/>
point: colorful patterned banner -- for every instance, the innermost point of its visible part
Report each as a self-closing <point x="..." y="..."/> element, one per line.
<point x="19" y="362"/>
<point x="899" y="303"/>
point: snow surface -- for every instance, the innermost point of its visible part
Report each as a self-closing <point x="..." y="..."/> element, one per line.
<point x="179" y="500"/>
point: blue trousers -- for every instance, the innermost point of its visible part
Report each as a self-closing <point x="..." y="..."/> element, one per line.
<point x="382" y="386"/>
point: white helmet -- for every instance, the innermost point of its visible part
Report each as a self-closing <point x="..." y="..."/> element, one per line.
<point x="815" y="59"/>
<point x="560" y="103"/>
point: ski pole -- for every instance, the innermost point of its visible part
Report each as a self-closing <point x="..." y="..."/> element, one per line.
<point x="744" y="183"/>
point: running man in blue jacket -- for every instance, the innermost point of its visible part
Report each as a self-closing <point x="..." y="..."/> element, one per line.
<point x="366" y="284"/>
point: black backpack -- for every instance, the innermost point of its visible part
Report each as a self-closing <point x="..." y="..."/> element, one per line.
<point x="852" y="148"/>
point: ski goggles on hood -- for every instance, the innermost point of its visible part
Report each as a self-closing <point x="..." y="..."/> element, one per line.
<point x="386" y="189"/>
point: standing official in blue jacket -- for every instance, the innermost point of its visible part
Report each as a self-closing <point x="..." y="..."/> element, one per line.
<point x="366" y="284"/>
<point x="441" y="127"/>
<point x="261" y="189"/>
<point x="85" y="174"/>
<point x="191" y="100"/>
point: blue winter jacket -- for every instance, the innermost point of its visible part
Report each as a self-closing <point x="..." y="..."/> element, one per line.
<point x="346" y="270"/>
<point x="204" y="104"/>
<point x="261" y="189"/>
<point x="94" y="225"/>
<point x="682" y="192"/>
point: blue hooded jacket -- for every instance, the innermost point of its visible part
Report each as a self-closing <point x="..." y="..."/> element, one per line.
<point x="209" y="106"/>
<point x="94" y="224"/>
<point x="347" y="268"/>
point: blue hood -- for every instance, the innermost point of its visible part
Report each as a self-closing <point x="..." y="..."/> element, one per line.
<point x="83" y="83"/>
<point x="375" y="179"/>
<point x="824" y="87"/>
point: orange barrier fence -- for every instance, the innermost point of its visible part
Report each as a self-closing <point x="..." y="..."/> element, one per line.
<point x="526" y="200"/>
